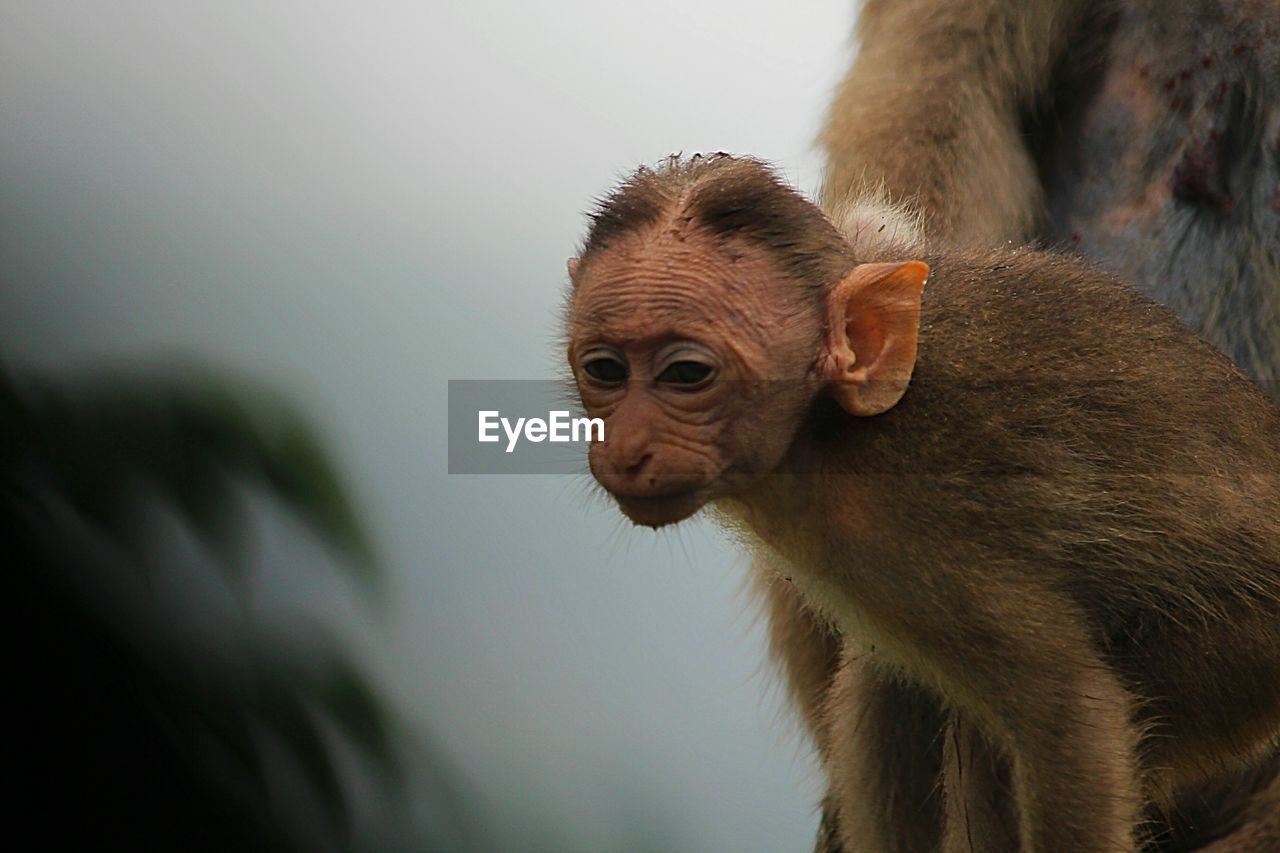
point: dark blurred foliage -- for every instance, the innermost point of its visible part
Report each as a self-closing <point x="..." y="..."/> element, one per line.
<point x="121" y="728"/>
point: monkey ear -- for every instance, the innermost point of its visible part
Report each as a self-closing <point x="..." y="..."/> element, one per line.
<point x="572" y="265"/>
<point x="873" y="319"/>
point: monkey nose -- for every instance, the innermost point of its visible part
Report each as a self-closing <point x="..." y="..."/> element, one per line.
<point x="631" y="473"/>
<point x="639" y="466"/>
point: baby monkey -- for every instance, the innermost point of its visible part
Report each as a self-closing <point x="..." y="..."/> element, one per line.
<point x="1029" y="500"/>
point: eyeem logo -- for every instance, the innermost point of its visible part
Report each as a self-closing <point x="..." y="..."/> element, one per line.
<point x="558" y="427"/>
<point x="551" y="435"/>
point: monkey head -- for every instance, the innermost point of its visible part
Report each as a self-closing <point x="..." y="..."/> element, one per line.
<point x="702" y="349"/>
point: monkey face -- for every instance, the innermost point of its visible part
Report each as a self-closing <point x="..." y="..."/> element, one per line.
<point x="698" y="373"/>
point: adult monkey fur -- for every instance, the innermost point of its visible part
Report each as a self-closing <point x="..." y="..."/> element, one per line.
<point x="1065" y="530"/>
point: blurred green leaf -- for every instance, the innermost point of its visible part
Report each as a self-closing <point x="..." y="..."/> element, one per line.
<point x="187" y="435"/>
<point x="106" y="447"/>
<point x="351" y="702"/>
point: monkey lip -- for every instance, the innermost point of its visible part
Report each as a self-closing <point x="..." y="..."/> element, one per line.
<point x="660" y="510"/>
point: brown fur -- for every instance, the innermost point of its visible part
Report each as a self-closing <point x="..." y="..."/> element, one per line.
<point x="930" y="114"/>
<point x="1066" y="534"/>
<point x="1139" y="133"/>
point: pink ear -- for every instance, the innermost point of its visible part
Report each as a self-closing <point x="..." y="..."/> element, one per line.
<point x="572" y="265"/>
<point x="873" y="321"/>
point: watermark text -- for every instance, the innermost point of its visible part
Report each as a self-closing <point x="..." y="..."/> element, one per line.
<point x="558" y="427"/>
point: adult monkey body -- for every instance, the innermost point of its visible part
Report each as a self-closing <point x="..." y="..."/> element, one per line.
<point x="1065" y="531"/>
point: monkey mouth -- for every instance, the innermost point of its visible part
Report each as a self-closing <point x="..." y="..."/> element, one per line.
<point x="661" y="510"/>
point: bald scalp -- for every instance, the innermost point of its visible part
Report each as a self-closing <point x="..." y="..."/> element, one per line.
<point x="727" y="198"/>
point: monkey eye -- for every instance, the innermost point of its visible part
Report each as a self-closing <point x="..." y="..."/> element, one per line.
<point x="608" y="370"/>
<point x="685" y="373"/>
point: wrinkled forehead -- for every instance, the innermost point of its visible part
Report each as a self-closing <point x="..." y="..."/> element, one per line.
<point x="646" y="285"/>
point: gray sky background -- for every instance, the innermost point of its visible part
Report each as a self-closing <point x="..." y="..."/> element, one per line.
<point x="357" y="202"/>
